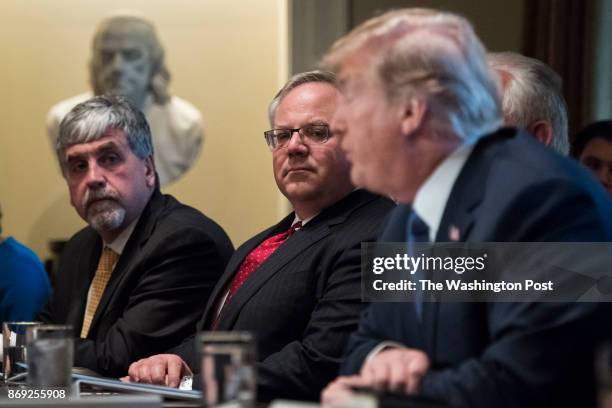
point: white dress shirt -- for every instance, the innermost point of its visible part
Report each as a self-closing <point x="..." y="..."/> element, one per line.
<point x="430" y="202"/>
<point x="431" y="198"/>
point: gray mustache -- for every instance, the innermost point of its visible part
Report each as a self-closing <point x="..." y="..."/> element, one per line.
<point x="94" y="195"/>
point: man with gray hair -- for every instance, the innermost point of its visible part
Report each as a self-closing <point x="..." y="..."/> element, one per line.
<point x="532" y="98"/>
<point x="135" y="281"/>
<point x="418" y="119"/>
<point x="128" y="60"/>
<point x="296" y="284"/>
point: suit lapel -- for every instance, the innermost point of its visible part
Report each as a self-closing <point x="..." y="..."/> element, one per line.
<point x="129" y="257"/>
<point x="232" y="268"/>
<point x="455" y="225"/>
<point x="88" y="260"/>
<point x="314" y="231"/>
<point x="468" y="190"/>
<point x="396" y="226"/>
<point x="293" y="247"/>
<point x="459" y="216"/>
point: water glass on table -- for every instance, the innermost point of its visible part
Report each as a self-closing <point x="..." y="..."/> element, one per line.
<point x="14" y="353"/>
<point x="50" y="355"/>
<point x="228" y="368"/>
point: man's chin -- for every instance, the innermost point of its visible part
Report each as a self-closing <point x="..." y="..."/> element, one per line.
<point x="105" y="221"/>
<point x="300" y="192"/>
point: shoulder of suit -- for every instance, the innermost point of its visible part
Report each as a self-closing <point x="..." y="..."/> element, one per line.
<point x="363" y="200"/>
<point x="170" y="209"/>
<point x="520" y="167"/>
<point x="173" y="215"/>
<point x="360" y="210"/>
<point x="516" y="152"/>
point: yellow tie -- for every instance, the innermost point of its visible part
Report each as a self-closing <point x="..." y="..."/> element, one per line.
<point x="103" y="273"/>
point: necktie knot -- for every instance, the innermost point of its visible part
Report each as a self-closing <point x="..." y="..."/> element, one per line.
<point x="255" y="258"/>
<point x="295" y="227"/>
<point x="108" y="259"/>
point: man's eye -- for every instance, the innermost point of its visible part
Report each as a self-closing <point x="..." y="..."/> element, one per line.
<point x="110" y="159"/>
<point x="316" y="132"/>
<point x="77" y="167"/>
<point x="282" y="136"/>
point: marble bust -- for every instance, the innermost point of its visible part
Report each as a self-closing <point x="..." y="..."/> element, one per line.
<point x="128" y="59"/>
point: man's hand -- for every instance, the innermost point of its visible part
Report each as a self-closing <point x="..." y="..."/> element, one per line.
<point x="395" y="369"/>
<point x="392" y="369"/>
<point x="161" y="369"/>
<point x="338" y="392"/>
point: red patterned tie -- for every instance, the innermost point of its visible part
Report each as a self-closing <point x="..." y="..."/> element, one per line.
<point x="253" y="260"/>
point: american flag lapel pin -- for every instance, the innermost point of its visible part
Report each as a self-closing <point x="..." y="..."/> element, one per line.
<point x="453" y="233"/>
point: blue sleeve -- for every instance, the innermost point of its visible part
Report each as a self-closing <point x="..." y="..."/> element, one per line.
<point x="26" y="289"/>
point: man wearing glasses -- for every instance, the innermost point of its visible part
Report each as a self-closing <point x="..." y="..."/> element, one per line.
<point x="296" y="286"/>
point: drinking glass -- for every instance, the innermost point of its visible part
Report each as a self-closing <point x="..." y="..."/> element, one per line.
<point x="228" y="368"/>
<point x="14" y="341"/>
<point x="50" y="356"/>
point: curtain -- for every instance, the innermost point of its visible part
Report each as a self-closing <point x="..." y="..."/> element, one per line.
<point x="561" y="33"/>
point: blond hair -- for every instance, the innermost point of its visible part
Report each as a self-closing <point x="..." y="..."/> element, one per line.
<point x="430" y="54"/>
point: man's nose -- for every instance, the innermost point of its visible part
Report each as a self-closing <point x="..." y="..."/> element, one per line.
<point x="296" y="145"/>
<point x="95" y="176"/>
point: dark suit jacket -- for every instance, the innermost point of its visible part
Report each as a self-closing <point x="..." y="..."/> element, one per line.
<point x="503" y="354"/>
<point x="156" y="293"/>
<point x="303" y="301"/>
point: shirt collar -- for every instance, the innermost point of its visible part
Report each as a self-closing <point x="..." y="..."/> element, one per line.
<point x="118" y="245"/>
<point x="430" y="200"/>
<point x="304" y="222"/>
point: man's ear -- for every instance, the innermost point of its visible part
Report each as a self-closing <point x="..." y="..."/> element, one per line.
<point x="150" y="171"/>
<point x="413" y="115"/>
<point x="542" y="130"/>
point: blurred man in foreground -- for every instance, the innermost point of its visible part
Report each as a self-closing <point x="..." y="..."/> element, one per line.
<point x="418" y="119"/>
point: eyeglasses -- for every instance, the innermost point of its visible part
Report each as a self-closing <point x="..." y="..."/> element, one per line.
<point x="279" y="138"/>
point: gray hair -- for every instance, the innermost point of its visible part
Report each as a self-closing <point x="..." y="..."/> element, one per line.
<point x="532" y="91"/>
<point x="431" y="54"/>
<point x="160" y="76"/>
<point x="302" y="78"/>
<point x="91" y="120"/>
